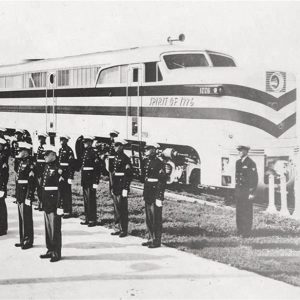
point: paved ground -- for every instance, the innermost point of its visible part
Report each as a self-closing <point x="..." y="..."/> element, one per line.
<point x="96" y="265"/>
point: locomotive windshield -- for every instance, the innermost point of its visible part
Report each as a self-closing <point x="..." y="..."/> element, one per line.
<point x="189" y="60"/>
<point x="221" y="61"/>
<point x="185" y="60"/>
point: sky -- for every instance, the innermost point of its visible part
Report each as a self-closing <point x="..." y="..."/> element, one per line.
<point x="255" y="33"/>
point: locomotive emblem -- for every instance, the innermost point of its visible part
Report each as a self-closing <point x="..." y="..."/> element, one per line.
<point x="276" y="82"/>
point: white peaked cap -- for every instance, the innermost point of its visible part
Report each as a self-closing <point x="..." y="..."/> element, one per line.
<point x="115" y="132"/>
<point x="88" y="137"/>
<point x="64" y="136"/>
<point x="19" y="130"/>
<point x="49" y="148"/>
<point x="44" y="134"/>
<point x="152" y="144"/>
<point x="2" y="129"/>
<point x="24" y="145"/>
<point x="120" y="141"/>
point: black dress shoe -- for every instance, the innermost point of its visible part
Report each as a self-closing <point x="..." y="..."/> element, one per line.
<point x="54" y="259"/>
<point x="154" y="246"/>
<point x="146" y="243"/>
<point x="18" y="245"/>
<point x="84" y="223"/>
<point x="3" y="233"/>
<point x="92" y="224"/>
<point x="115" y="233"/>
<point x="26" y="246"/>
<point x="122" y="234"/>
<point x="100" y="223"/>
<point x="47" y="255"/>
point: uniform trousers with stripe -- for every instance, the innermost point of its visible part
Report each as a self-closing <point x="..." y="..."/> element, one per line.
<point x="90" y="207"/>
<point x="154" y="222"/>
<point x="39" y="190"/>
<point x="65" y="192"/>
<point x="121" y="212"/>
<point x="25" y="216"/>
<point x="3" y="215"/>
<point x="53" y="233"/>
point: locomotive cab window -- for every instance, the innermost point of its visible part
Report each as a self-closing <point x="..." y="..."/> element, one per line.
<point x="152" y="72"/>
<point x="221" y="61"/>
<point x="113" y="75"/>
<point x="185" y="60"/>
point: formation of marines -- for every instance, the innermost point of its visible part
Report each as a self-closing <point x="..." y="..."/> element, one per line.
<point x="50" y="174"/>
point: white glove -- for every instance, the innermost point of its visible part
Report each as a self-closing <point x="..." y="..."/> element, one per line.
<point x="27" y="202"/>
<point x="124" y="193"/>
<point x="61" y="179"/>
<point x="251" y="197"/>
<point x="158" y="203"/>
<point x="1" y="194"/>
<point x="60" y="211"/>
<point x="70" y="181"/>
<point x="95" y="186"/>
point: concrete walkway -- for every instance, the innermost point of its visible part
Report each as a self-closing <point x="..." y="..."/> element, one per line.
<point x="96" y="265"/>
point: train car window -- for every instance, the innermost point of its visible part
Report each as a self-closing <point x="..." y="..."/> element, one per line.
<point x="123" y="73"/>
<point x="110" y="75"/>
<point x="221" y="61"/>
<point x="152" y="72"/>
<point x="2" y="82"/>
<point x="37" y="79"/>
<point x="135" y="75"/>
<point x="185" y="60"/>
<point x="63" y="78"/>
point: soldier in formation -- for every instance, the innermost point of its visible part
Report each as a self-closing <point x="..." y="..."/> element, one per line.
<point x="40" y="165"/>
<point x="90" y="176"/>
<point x="52" y="205"/>
<point x="154" y="186"/>
<point x="121" y="178"/>
<point x="66" y="164"/>
<point x="4" y="173"/>
<point x="25" y="186"/>
<point x="246" y="183"/>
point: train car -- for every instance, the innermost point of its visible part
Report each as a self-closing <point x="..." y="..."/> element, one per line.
<point x="196" y="103"/>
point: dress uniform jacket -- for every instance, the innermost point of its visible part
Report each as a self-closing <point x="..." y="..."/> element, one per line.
<point x="154" y="187"/>
<point x="40" y="166"/>
<point x="4" y="174"/>
<point x="51" y="202"/>
<point x="121" y="178"/>
<point x="14" y="153"/>
<point x="246" y="183"/>
<point x="90" y="174"/>
<point x="25" y="187"/>
<point x="66" y="163"/>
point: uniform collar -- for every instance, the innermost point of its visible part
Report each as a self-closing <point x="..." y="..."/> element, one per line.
<point x="244" y="158"/>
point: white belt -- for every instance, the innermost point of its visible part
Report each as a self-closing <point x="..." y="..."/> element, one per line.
<point x="51" y="188"/>
<point x="22" y="181"/>
<point x="119" y="174"/>
<point x="88" y="168"/>
<point x="40" y="160"/>
<point x="111" y="156"/>
<point x="64" y="164"/>
<point x="152" y="179"/>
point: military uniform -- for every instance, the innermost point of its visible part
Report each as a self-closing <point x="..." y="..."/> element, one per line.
<point x="51" y="202"/>
<point x="25" y="186"/>
<point x="121" y="178"/>
<point x="154" y="187"/>
<point x="40" y="166"/>
<point x="66" y="163"/>
<point x="90" y="176"/>
<point x="4" y="174"/>
<point x="246" y="183"/>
